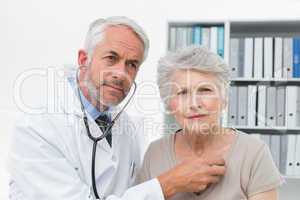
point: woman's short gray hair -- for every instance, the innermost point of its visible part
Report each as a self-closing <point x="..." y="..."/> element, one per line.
<point x="191" y="57"/>
<point x="97" y="27"/>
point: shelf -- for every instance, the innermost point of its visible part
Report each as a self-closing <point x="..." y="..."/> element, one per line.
<point x="297" y="177"/>
<point x="268" y="130"/>
<point x="262" y="81"/>
<point x="265" y="28"/>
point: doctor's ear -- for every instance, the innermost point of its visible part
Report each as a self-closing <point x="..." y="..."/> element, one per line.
<point x="82" y="58"/>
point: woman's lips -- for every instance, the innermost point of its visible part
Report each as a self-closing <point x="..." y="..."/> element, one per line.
<point x="198" y="116"/>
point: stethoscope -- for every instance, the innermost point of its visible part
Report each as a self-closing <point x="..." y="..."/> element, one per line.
<point x="99" y="138"/>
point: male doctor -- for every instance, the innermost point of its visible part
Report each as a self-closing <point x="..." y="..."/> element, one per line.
<point x="51" y="153"/>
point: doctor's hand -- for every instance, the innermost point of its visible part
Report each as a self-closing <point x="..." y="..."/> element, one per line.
<point x="192" y="175"/>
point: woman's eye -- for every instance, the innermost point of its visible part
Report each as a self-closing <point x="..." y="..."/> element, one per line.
<point x="183" y="92"/>
<point x="206" y="90"/>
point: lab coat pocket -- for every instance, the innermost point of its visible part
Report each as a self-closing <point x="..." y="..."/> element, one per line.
<point x="132" y="173"/>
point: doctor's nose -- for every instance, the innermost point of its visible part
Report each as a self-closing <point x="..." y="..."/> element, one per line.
<point x="120" y="72"/>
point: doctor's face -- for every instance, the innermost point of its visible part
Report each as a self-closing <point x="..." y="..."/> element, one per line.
<point x="196" y="101"/>
<point x="114" y="65"/>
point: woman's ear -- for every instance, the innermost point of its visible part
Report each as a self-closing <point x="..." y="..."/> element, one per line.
<point x="82" y="58"/>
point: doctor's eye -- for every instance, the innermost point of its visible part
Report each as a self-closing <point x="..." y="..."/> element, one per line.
<point x="133" y="65"/>
<point x="111" y="59"/>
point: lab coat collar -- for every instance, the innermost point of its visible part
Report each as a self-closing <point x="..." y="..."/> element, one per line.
<point x="70" y="105"/>
<point x="69" y="100"/>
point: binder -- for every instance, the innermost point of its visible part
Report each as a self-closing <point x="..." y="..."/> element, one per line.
<point x="206" y="37"/>
<point x="291" y="99"/>
<point x="232" y="110"/>
<point x="197" y="35"/>
<point x="242" y="105"/>
<point x="172" y="39"/>
<point x="180" y="40"/>
<point x="189" y="36"/>
<point x="241" y="51"/>
<point x="184" y="38"/>
<point x="271" y="107"/>
<point x="290" y="164"/>
<point x="234" y="57"/>
<point x="275" y="149"/>
<point x="297" y="156"/>
<point x="283" y="153"/>
<point x="296" y="57"/>
<point x="258" y="57"/>
<point x="221" y="39"/>
<point x="214" y="39"/>
<point x="287" y="57"/>
<point x="261" y="110"/>
<point x="298" y="107"/>
<point x="252" y="95"/>
<point x="248" y="60"/>
<point x="268" y="57"/>
<point x="278" y="57"/>
<point x="280" y="105"/>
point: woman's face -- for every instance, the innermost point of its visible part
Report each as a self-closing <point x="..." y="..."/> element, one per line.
<point x="196" y="100"/>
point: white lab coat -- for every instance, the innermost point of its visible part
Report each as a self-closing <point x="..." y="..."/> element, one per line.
<point x="51" y="154"/>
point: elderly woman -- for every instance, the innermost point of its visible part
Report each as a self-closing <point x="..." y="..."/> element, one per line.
<point x="193" y="84"/>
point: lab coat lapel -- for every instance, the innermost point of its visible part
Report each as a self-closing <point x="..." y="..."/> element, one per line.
<point x="70" y="104"/>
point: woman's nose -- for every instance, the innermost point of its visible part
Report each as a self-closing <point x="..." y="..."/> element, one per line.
<point x="194" y="102"/>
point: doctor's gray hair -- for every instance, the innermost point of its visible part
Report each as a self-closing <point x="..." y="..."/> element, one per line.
<point x="195" y="58"/>
<point x="97" y="27"/>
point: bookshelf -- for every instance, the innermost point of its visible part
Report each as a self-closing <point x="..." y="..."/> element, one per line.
<point x="270" y="48"/>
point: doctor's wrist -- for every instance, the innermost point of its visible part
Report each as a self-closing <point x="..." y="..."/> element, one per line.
<point x="168" y="184"/>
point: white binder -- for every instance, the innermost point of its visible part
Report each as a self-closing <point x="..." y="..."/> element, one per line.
<point x="261" y="113"/>
<point x="248" y="58"/>
<point x="258" y="57"/>
<point x="268" y="57"/>
<point x="242" y="105"/>
<point x="252" y="94"/>
<point x="297" y="156"/>
<point x="278" y="61"/>
<point x="280" y="105"/>
<point x="287" y="57"/>
<point x="206" y="37"/>
<point x="271" y="107"/>
<point x="172" y="39"/>
<point x="241" y="70"/>
<point x="298" y="108"/>
<point x="232" y="106"/>
<point x="214" y="39"/>
<point x="189" y="37"/>
<point x="283" y="153"/>
<point x="275" y="149"/>
<point x="291" y="103"/>
<point x="290" y="164"/>
<point x="180" y="40"/>
<point x="234" y="57"/>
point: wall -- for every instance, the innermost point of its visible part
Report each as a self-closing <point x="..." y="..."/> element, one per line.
<point x="49" y="33"/>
